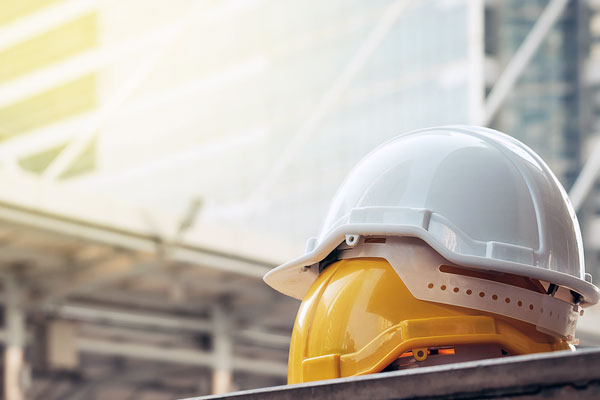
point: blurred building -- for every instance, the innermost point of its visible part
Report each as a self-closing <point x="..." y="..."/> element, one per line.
<point x="543" y="108"/>
<point x="260" y="109"/>
<point x="553" y="107"/>
<point x="161" y="156"/>
<point x="589" y="102"/>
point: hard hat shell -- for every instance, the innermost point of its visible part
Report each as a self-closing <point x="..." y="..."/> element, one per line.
<point x="358" y="317"/>
<point x="480" y="198"/>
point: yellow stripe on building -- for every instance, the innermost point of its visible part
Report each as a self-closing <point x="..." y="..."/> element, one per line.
<point x="51" y="106"/>
<point x="11" y="10"/>
<point x="38" y="162"/>
<point x="58" y="44"/>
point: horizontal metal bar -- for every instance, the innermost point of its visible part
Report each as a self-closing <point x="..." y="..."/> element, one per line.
<point x="157" y="320"/>
<point x="179" y="356"/>
<point x="268" y="338"/>
<point x="557" y="375"/>
<point x="87" y="313"/>
<point x="134" y="241"/>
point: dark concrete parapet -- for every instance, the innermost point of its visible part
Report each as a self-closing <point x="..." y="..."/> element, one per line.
<point x="561" y="375"/>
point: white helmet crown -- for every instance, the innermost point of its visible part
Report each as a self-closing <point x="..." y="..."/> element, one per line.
<point x="480" y="198"/>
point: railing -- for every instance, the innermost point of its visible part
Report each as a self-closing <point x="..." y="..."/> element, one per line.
<point x="561" y="375"/>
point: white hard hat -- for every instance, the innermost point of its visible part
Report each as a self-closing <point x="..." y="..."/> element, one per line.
<point x="480" y="198"/>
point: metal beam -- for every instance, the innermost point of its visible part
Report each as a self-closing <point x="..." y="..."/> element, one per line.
<point x="136" y="241"/>
<point x="121" y="267"/>
<point x="14" y="352"/>
<point x="519" y="61"/>
<point x="223" y="349"/>
<point x="180" y="356"/>
<point x="157" y="320"/>
<point x="129" y="318"/>
<point x="268" y="338"/>
<point x="80" y="215"/>
<point x="172" y="355"/>
<point x="96" y="276"/>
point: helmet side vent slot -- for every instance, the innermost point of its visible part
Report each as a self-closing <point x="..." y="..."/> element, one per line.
<point x="552" y="289"/>
<point x="509" y="279"/>
<point x="375" y="240"/>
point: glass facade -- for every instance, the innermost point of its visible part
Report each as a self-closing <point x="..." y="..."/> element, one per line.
<point x="542" y="109"/>
<point x="261" y="110"/>
<point x="552" y="107"/>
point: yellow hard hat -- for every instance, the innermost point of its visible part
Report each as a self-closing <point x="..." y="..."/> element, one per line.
<point x="359" y="317"/>
<point x="442" y="245"/>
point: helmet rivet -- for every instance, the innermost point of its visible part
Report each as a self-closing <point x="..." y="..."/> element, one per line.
<point x="420" y="354"/>
<point x="352" y="240"/>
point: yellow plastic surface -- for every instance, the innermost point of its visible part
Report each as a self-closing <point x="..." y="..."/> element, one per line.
<point x="358" y="317"/>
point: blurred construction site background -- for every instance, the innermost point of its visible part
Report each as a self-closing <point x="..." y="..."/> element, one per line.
<point x="157" y="158"/>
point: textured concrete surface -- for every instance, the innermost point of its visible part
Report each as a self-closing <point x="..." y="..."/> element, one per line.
<point x="561" y="375"/>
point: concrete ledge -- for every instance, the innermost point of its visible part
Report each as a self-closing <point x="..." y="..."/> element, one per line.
<point x="561" y="375"/>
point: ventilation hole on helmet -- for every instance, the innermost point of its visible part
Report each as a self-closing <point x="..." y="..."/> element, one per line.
<point x="542" y="310"/>
<point x="469" y="291"/>
<point x="456" y="290"/>
<point x="531" y="306"/>
<point x="481" y="294"/>
<point x="550" y="313"/>
<point x="430" y="286"/>
<point x="443" y="287"/>
<point x="507" y="300"/>
<point x="494" y="297"/>
<point x="519" y="303"/>
<point x="504" y="352"/>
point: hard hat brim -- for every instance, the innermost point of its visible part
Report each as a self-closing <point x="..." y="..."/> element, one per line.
<point x="295" y="277"/>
